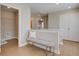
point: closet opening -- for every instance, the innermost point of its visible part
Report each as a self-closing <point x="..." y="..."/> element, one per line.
<point x="9" y="27"/>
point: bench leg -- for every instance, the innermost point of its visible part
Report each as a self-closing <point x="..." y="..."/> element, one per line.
<point x="46" y="52"/>
<point x="50" y="50"/>
<point x="53" y="51"/>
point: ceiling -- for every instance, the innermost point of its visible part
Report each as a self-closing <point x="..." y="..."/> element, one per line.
<point x="45" y="8"/>
<point x="8" y="9"/>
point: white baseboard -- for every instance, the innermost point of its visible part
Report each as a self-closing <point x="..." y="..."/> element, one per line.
<point x="11" y="38"/>
<point x="72" y="40"/>
<point x="21" y="45"/>
<point x="57" y="52"/>
<point x="61" y="43"/>
<point x="4" y="42"/>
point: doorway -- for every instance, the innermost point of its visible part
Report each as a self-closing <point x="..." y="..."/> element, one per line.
<point x="9" y="25"/>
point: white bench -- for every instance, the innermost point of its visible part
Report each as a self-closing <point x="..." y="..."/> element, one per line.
<point x="32" y="37"/>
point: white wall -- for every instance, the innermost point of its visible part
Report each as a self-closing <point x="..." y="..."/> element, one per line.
<point x="53" y="21"/>
<point x="24" y="22"/>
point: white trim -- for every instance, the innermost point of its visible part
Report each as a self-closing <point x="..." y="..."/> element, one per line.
<point x="21" y="45"/>
<point x="72" y="40"/>
<point x="57" y="51"/>
<point x="3" y="42"/>
<point x="61" y="43"/>
<point x="11" y="38"/>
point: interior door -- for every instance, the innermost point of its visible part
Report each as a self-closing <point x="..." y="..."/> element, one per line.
<point x="74" y="27"/>
<point x="69" y="25"/>
<point x="64" y="26"/>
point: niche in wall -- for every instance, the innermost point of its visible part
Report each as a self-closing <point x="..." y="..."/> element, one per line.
<point x="9" y="23"/>
<point x="39" y="22"/>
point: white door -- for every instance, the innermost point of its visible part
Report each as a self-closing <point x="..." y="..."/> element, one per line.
<point x="74" y="27"/>
<point x="69" y="26"/>
<point x="64" y="26"/>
